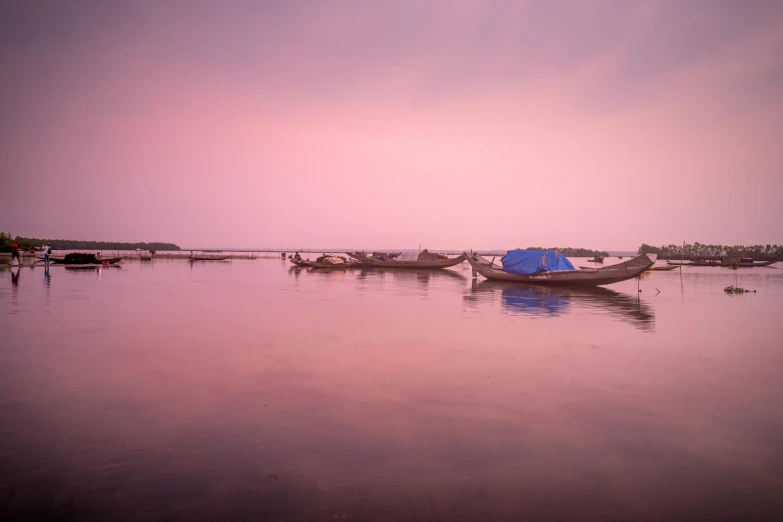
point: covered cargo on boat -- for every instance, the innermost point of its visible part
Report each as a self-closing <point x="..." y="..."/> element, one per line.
<point x="527" y="262"/>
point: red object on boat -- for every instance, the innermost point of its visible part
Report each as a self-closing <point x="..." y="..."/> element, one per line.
<point x="746" y="260"/>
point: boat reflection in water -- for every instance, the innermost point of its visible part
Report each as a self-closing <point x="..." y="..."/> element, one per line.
<point x="558" y="300"/>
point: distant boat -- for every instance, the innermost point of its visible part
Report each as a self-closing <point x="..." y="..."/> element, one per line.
<point x="596" y="259"/>
<point x="208" y="258"/>
<point x="587" y="276"/>
<point x="726" y="262"/>
<point x="662" y="268"/>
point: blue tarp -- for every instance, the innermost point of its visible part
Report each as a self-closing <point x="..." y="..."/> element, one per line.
<point x="527" y="262"/>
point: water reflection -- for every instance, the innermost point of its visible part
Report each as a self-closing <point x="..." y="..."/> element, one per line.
<point x="423" y="277"/>
<point x="554" y="301"/>
<point x="254" y="391"/>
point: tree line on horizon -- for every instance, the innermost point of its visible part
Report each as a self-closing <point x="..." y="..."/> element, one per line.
<point x="26" y="243"/>
<point x="760" y="252"/>
<point x="573" y="252"/>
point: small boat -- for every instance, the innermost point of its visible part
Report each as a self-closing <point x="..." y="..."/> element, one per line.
<point x="326" y="262"/>
<point x="328" y="266"/>
<point x="82" y="267"/>
<point x="662" y="268"/>
<point x="84" y="259"/>
<point x="208" y="258"/>
<point x="587" y="276"/>
<point x="751" y="263"/>
<point x="730" y="262"/>
<point x="596" y="259"/>
<point x="382" y="256"/>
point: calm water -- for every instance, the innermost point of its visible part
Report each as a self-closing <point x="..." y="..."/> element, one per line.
<point x="246" y="390"/>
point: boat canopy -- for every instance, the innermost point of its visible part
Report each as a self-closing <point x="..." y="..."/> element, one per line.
<point x="527" y="262"/>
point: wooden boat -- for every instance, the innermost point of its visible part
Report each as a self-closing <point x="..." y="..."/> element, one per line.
<point x="320" y="264"/>
<point x="208" y="258"/>
<point x="394" y="263"/>
<point x="83" y="259"/>
<point x="596" y="259"/>
<point x="651" y="269"/>
<point x="82" y="267"/>
<point x="755" y="263"/>
<point x="382" y="256"/>
<point x="721" y="263"/>
<point x="591" y="277"/>
<point x="325" y="266"/>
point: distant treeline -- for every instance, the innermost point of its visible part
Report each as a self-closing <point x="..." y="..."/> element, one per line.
<point x="572" y="252"/>
<point x="760" y="252"/>
<point x="25" y="243"/>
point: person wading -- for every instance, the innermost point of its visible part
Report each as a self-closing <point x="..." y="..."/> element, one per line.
<point x="15" y="253"/>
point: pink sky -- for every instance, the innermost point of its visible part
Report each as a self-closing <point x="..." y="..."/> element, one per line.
<point x="459" y="124"/>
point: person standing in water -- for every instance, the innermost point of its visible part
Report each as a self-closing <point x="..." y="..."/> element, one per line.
<point x="47" y="250"/>
<point x="15" y="253"/>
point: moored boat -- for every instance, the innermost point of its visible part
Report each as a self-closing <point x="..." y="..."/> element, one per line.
<point x="423" y="259"/>
<point x="84" y="259"/>
<point x="208" y="258"/>
<point x="326" y="262"/>
<point x="382" y="256"/>
<point x="726" y="262"/>
<point x="587" y="276"/>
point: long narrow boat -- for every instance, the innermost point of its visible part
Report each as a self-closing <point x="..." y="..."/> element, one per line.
<point x="86" y="259"/>
<point x="364" y="256"/>
<point x="208" y="258"/>
<point x="325" y="266"/>
<point x="590" y="277"/>
<point x="434" y="264"/>
<point x="720" y="263"/>
<point x="755" y="263"/>
<point x="651" y="269"/>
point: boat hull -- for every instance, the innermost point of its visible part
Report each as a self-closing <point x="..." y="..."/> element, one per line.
<point x="436" y="264"/>
<point x="324" y="266"/>
<point x="97" y="262"/>
<point x="721" y="264"/>
<point x="588" y="277"/>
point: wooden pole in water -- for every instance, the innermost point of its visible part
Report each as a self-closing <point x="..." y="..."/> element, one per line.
<point x="682" y="255"/>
